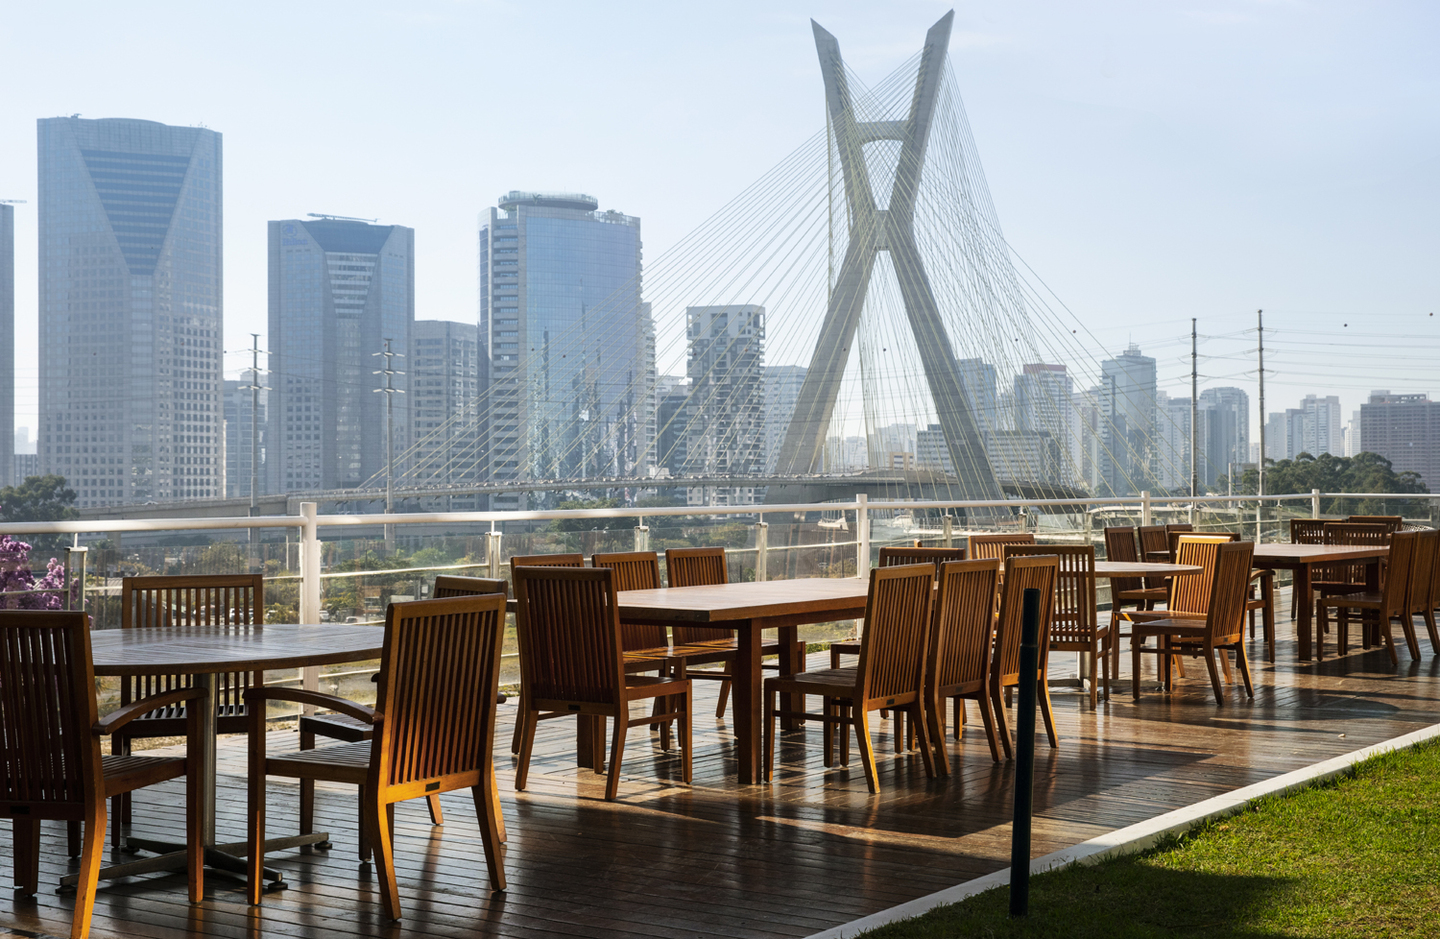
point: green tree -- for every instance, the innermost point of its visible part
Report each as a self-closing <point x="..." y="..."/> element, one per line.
<point x="1364" y="472"/>
<point x="585" y="524"/>
<point x="40" y="499"/>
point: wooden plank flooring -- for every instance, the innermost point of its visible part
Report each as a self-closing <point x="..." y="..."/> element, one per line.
<point x="810" y="851"/>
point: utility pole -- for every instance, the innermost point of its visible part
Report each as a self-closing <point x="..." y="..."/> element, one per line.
<point x="390" y="391"/>
<point x="1260" y="487"/>
<point x="1194" y="415"/>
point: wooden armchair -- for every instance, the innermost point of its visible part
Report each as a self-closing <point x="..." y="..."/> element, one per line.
<point x="958" y="664"/>
<point x="434" y="731"/>
<point x="541" y="560"/>
<point x="1154" y="543"/>
<point x="890" y="557"/>
<point x="50" y="734"/>
<point x="1221" y="628"/>
<point x="1390" y="603"/>
<point x="993" y="546"/>
<point x="573" y="662"/>
<point x="1022" y="573"/>
<point x="1422" y="582"/>
<point x="891" y="672"/>
<point x="1074" y="622"/>
<point x="204" y="600"/>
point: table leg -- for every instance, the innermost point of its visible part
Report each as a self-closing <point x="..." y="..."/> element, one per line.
<point x="748" y="702"/>
<point x="1302" y="600"/>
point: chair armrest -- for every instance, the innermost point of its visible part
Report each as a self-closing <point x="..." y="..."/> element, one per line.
<point x="1144" y="616"/>
<point x="117" y="719"/>
<point x="1261" y="575"/>
<point x="360" y="712"/>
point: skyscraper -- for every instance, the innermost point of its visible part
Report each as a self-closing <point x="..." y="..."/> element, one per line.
<point x="724" y="423"/>
<point x="1225" y="431"/>
<point x="339" y="288"/>
<point x="781" y="389"/>
<point x="445" y="378"/>
<point x="1128" y="419"/>
<point x="7" y="343"/>
<point x="572" y="345"/>
<point x="239" y="413"/>
<point x="131" y="284"/>
<point x="1044" y="405"/>
<point x="1404" y="429"/>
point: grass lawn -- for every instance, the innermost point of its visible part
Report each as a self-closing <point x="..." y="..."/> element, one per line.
<point x="1357" y="856"/>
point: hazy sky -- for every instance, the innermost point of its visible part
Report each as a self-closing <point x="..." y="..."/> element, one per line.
<point x="1152" y="161"/>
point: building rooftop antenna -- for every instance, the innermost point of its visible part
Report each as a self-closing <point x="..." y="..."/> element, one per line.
<point x="340" y="218"/>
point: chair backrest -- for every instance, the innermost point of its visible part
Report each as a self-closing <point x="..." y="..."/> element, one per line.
<point x="568" y="628"/>
<point x="697" y="567"/>
<point x="545" y="560"/>
<point x="1422" y="571"/>
<point x="1398" y="565"/>
<point x="203" y="600"/>
<point x="635" y="570"/>
<point x="993" y="546"/>
<point x="48" y="756"/>
<point x="1229" y="587"/>
<point x="1179" y="526"/>
<point x="897" y="631"/>
<point x="1175" y="536"/>
<point x="1392" y="522"/>
<point x="1190" y="594"/>
<point x="1073" y="617"/>
<point x="1350" y="533"/>
<point x="439" y="678"/>
<point x="961" y="629"/>
<point x="1120" y="546"/>
<point x="1154" y="543"/>
<point x="892" y="556"/>
<point x="447" y="586"/>
<point x="1022" y="573"/>
<point x="1307" y="531"/>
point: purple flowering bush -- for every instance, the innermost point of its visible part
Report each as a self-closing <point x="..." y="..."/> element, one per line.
<point x="15" y="575"/>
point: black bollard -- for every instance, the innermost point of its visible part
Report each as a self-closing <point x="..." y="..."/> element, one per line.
<point x="1025" y="756"/>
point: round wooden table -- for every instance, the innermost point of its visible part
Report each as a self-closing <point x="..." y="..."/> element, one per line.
<point x="204" y="652"/>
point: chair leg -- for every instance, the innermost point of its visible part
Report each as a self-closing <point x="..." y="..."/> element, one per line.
<point x="1389" y="637"/>
<point x="959" y="716"/>
<point x="867" y="748"/>
<point x="1407" y="622"/>
<point x="364" y="848"/>
<point x="492" y="829"/>
<point x="686" y="700"/>
<point x="724" y="697"/>
<point x="1136" y="641"/>
<point x="255" y="823"/>
<point x="495" y="798"/>
<point x="73" y="838"/>
<point x="527" y="743"/>
<point x="119" y="805"/>
<point x="1267" y="593"/>
<point x="988" y="718"/>
<point x="378" y="817"/>
<point x="922" y="734"/>
<point x="846" y="713"/>
<point x="997" y="703"/>
<point x="517" y="737"/>
<point x="827" y="707"/>
<point x="617" y="754"/>
<point x="90" y="857"/>
<point x="936" y="718"/>
<point x="437" y="814"/>
<point x="1214" y="675"/>
<point x="1225" y="668"/>
<point x="897" y="725"/>
<point x="307" y="790"/>
<point x="1042" y="693"/>
<point x="1434" y="634"/>
<point x="1095" y="689"/>
<point x="26" y="832"/>
<point x="1242" y="664"/>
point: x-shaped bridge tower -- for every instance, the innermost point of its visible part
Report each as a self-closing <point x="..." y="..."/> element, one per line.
<point x="872" y="230"/>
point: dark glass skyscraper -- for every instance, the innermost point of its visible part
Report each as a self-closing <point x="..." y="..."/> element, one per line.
<point x="338" y="289"/>
<point x="130" y="309"/>
<point x="572" y="346"/>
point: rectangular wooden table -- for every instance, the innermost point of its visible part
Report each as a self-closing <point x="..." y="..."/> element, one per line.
<point x="749" y="609"/>
<point x="1301" y="558"/>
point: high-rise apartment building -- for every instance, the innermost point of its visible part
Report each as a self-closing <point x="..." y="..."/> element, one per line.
<point x="1128" y="419"/>
<point x="1404" y="429"/>
<point x="446" y="375"/>
<point x="572" y="345"/>
<point x="7" y="341"/>
<point x="245" y="433"/>
<point x="781" y="389"/>
<point x="339" y="289"/>
<point x="979" y="380"/>
<point x="1043" y="405"/>
<point x="1224" y="432"/>
<point x="724" y="423"/>
<point x="1172" y="442"/>
<point x="131" y="326"/>
<point x="1314" y="428"/>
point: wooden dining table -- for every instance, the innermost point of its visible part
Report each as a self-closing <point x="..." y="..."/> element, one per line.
<point x="1301" y="559"/>
<point x="749" y="609"/>
<point x="204" y="652"/>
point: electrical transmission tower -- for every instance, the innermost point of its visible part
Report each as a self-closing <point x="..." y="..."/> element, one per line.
<point x="872" y="230"/>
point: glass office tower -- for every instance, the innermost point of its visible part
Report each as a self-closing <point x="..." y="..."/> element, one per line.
<point x="338" y="289"/>
<point x="7" y="344"/>
<point x="130" y="309"/>
<point x="572" y="345"/>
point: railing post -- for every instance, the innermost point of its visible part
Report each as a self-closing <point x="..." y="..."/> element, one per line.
<point x="862" y="535"/>
<point x="1145" y="514"/>
<point x="642" y="535"/>
<point x="947" y="530"/>
<point x="74" y="567"/>
<point x="1314" y="503"/>
<point x="762" y="549"/>
<point x="310" y="584"/>
<point x="492" y="552"/>
<point x="1025" y="755"/>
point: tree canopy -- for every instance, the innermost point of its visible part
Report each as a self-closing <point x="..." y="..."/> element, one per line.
<point x="38" y="499"/>
<point x="1364" y="472"/>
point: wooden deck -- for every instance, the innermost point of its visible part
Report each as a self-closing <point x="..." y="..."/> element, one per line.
<point x="811" y="851"/>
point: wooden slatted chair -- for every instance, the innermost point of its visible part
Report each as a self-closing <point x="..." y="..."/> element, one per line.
<point x="50" y="733"/>
<point x="958" y="664"/>
<point x="1393" y="522"/>
<point x="993" y="546"/>
<point x="891" y="556"/>
<point x="1221" y="628"/>
<point x="205" y="600"/>
<point x="1154" y="543"/>
<point x="572" y="660"/>
<point x="542" y="560"/>
<point x="1422" y="582"/>
<point x="349" y="729"/>
<point x="1260" y="598"/>
<point x="1333" y="579"/>
<point x="890" y="674"/>
<point x="1390" y="603"/>
<point x="1120" y="546"/>
<point x="1305" y="531"/>
<point x="1022" y="573"/>
<point x="1189" y="596"/>
<point x="434" y="722"/>
<point x="1074" y="623"/>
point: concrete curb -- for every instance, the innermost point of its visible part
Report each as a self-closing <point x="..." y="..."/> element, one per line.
<point x="1138" y="837"/>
